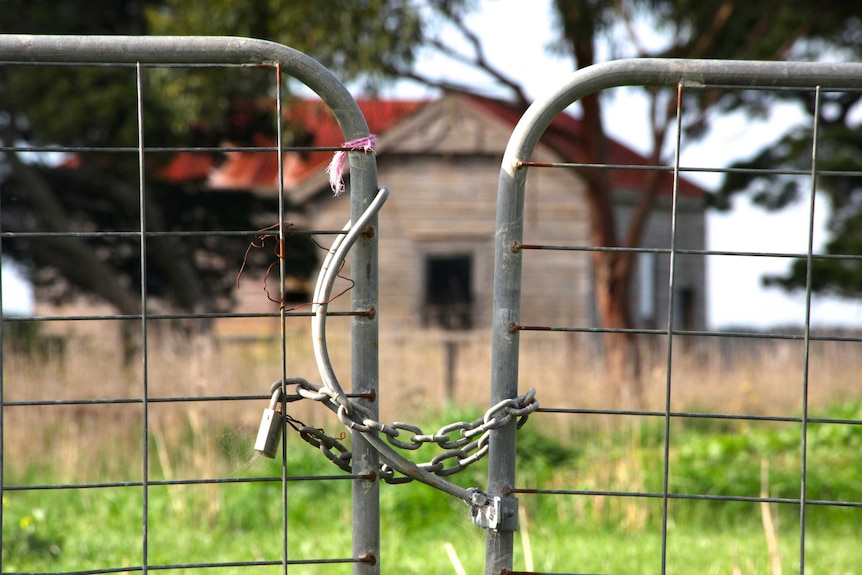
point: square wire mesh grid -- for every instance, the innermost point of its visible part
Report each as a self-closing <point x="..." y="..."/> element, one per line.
<point x="720" y="450"/>
<point x="756" y="406"/>
<point x="136" y="419"/>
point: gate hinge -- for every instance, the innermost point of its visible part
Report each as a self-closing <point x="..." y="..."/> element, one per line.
<point x="494" y="512"/>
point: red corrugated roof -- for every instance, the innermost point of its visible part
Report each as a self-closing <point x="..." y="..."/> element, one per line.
<point x="257" y="170"/>
<point x="188" y="166"/>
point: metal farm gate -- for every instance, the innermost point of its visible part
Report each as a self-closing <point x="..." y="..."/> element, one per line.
<point x="375" y="455"/>
<point x="804" y="378"/>
<point x="140" y="56"/>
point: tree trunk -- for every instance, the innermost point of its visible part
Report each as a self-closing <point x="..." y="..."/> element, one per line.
<point x="621" y="355"/>
<point x="611" y="270"/>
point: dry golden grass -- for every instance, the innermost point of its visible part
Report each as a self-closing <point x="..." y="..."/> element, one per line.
<point x="87" y="441"/>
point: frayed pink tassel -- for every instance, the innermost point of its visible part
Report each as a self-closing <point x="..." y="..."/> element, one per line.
<point x="336" y="166"/>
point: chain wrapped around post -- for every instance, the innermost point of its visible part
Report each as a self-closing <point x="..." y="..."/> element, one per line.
<point x="463" y="443"/>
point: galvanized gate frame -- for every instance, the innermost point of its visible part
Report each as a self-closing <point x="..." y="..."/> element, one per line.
<point x="510" y="223"/>
<point x="153" y="50"/>
<point x="359" y="239"/>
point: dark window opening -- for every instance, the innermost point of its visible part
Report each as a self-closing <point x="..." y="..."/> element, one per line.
<point x="448" y="292"/>
<point x="684" y="302"/>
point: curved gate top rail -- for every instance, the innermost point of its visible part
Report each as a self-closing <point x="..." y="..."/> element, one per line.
<point x="671" y="72"/>
<point x="236" y="51"/>
<point x="192" y="50"/>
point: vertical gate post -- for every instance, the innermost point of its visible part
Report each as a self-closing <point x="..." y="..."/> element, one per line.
<point x="365" y="365"/>
<point x="504" y="354"/>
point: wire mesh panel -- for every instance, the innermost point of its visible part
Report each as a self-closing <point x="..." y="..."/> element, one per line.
<point x="128" y="418"/>
<point x="127" y="426"/>
<point x="708" y="450"/>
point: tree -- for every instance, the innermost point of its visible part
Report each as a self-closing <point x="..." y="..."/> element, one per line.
<point x="718" y="29"/>
<point x="91" y="190"/>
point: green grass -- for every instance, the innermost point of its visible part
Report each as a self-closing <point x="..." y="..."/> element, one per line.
<point x="94" y="528"/>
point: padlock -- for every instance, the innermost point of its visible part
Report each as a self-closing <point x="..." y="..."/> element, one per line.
<point x="271" y="423"/>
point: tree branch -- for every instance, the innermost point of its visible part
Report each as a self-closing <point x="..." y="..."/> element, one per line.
<point x="477" y="60"/>
<point x="628" y="23"/>
<point x="482" y="62"/>
<point x="706" y="41"/>
<point x="429" y="81"/>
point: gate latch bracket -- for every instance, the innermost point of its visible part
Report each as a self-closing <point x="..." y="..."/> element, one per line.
<point x="494" y="512"/>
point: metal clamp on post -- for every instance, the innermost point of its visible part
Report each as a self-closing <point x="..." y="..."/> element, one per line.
<point x="494" y="512"/>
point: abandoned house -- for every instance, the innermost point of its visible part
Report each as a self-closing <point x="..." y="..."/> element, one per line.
<point x="441" y="161"/>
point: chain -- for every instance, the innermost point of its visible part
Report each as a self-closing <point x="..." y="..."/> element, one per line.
<point x="464" y="443"/>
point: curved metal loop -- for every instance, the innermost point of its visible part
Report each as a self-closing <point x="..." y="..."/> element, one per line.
<point x="280" y="385"/>
<point x="482" y="452"/>
<point x="440" y="467"/>
<point x="344" y="417"/>
<point x="463" y="428"/>
<point x="387" y="474"/>
<point x="310" y="391"/>
<point x="431" y="467"/>
<point x="328" y="272"/>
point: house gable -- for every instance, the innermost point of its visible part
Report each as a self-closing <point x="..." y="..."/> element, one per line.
<point x="452" y="125"/>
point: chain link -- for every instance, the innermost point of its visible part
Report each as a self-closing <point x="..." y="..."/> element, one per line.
<point x="464" y="443"/>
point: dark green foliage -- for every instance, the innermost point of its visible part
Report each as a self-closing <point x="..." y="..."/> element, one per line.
<point x="839" y="149"/>
<point x="538" y="450"/>
<point x="767" y="457"/>
<point x="96" y="107"/>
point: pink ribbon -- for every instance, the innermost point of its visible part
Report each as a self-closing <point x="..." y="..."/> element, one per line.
<point x="336" y="166"/>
